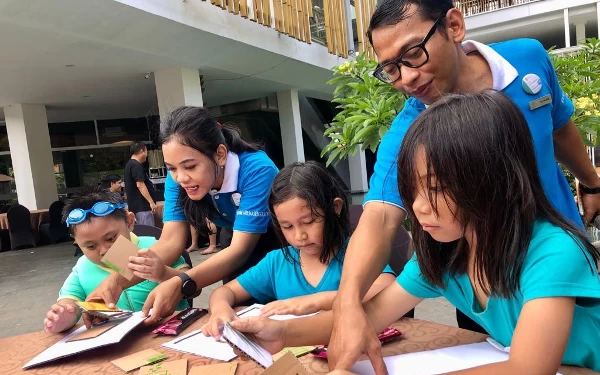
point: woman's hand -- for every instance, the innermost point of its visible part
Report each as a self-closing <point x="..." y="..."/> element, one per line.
<point x="61" y="317"/>
<point x="148" y="265"/>
<point x="163" y="300"/>
<point x="269" y="333"/>
<point x="217" y="320"/>
<point x="295" y="306"/>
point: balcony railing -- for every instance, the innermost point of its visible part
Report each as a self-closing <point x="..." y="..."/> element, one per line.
<point x="473" y="7"/>
<point x="297" y="18"/>
<point x="364" y="11"/>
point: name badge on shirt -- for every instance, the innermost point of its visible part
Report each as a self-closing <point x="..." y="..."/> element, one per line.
<point x="540" y="102"/>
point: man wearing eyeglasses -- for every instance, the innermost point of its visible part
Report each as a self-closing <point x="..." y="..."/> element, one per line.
<point x="421" y="53"/>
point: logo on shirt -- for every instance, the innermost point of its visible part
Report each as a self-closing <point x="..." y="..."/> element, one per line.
<point x="236" y="198"/>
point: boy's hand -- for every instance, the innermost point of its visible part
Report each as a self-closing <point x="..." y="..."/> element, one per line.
<point x="148" y="265"/>
<point x="60" y="318"/>
<point x="269" y="333"/>
<point x="108" y="291"/>
<point x="294" y="306"/>
<point x="217" y="320"/>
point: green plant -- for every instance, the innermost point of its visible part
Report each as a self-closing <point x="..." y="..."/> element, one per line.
<point x="579" y="76"/>
<point x="367" y="108"/>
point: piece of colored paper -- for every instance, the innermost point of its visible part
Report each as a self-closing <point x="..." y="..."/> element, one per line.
<point x="139" y="359"/>
<point x="178" y="367"/>
<point x="96" y="306"/>
<point x="288" y="364"/>
<point x="217" y="369"/>
<point x="93" y="332"/>
<point x="117" y="257"/>
<point x="296" y="351"/>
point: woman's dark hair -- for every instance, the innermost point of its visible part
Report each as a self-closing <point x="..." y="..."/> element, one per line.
<point x="479" y="150"/>
<point x="89" y="196"/>
<point x="311" y="182"/>
<point x="391" y="12"/>
<point x="194" y="127"/>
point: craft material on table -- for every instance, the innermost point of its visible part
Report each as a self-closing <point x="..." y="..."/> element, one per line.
<point x="139" y="359"/>
<point x="196" y="343"/>
<point x="100" y="310"/>
<point x="180" y="321"/>
<point x="178" y="367"/>
<point x="65" y="348"/>
<point x="117" y="257"/>
<point x="297" y="351"/>
<point x="247" y="346"/>
<point x="437" y="361"/>
<point x="218" y="369"/>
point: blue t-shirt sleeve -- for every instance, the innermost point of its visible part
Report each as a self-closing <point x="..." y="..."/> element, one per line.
<point x="72" y="288"/>
<point x="252" y="215"/>
<point x="553" y="249"/>
<point x="383" y="185"/>
<point x="388" y="269"/>
<point x="562" y="106"/>
<point x="259" y="281"/>
<point x="173" y="211"/>
<point x="413" y="282"/>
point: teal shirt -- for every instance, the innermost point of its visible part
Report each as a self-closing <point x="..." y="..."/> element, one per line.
<point x="276" y="278"/>
<point x="554" y="266"/>
<point x="86" y="276"/>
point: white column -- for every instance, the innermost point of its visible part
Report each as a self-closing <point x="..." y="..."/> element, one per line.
<point x="176" y="87"/>
<point x="350" y="34"/>
<point x="291" y="126"/>
<point x="358" y="176"/>
<point x="29" y="141"/>
<point x="598" y="16"/>
<point x="580" y="33"/>
<point x="567" y="31"/>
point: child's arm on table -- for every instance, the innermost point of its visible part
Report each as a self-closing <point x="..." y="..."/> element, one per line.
<point x="536" y="348"/>
<point x="384" y="309"/>
<point x="313" y="303"/>
<point x="221" y="304"/>
<point x="62" y="315"/>
<point x="148" y="265"/>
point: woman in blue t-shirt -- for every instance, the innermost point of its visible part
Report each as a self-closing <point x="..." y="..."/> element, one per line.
<point x="487" y="239"/>
<point x="213" y="175"/>
<point x="311" y="217"/>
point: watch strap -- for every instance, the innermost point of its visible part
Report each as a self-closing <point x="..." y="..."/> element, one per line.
<point x="588" y="190"/>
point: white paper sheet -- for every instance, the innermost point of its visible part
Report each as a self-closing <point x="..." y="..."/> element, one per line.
<point x="64" y="349"/>
<point x="438" y="361"/>
<point x="196" y="343"/>
<point x="250" y="347"/>
<point x="255" y="309"/>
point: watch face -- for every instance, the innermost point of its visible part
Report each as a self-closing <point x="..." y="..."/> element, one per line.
<point x="189" y="287"/>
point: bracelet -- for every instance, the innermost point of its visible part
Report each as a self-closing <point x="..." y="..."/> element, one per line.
<point x="587" y="190"/>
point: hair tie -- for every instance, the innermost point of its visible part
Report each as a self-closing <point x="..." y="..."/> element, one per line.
<point x="218" y="123"/>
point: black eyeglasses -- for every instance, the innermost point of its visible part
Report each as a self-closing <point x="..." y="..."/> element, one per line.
<point x="414" y="57"/>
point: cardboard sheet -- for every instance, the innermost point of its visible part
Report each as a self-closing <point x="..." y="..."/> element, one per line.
<point x="117" y="257"/>
<point x="139" y="359"/>
<point x="65" y="348"/>
<point x="178" y="367"/>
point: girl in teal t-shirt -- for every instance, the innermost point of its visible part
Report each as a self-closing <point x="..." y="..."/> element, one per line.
<point x="311" y="218"/>
<point x="487" y="238"/>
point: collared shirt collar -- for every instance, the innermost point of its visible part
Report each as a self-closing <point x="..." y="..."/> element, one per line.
<point x="503" y="73"/>
<point x="230" y="179"/>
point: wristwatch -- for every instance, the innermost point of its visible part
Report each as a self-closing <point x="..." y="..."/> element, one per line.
<point x="587" y="190"/>
<point x="188" y="287"/>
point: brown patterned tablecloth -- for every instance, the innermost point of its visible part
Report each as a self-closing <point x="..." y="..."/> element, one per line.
<point x="18" y="350"/>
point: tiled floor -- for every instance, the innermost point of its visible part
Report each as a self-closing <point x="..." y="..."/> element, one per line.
<point x="30" y="280"/>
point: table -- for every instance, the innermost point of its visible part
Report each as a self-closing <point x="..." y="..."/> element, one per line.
<point x="18" y="350"/>
<point x="37" y="217"/>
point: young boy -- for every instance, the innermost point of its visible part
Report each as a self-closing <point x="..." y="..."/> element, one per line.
<point x="96" y="218"/>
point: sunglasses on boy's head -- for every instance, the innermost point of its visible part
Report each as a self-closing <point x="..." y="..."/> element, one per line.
<point x="78" y="215"/>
